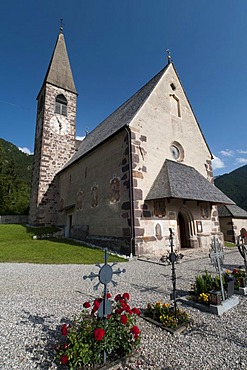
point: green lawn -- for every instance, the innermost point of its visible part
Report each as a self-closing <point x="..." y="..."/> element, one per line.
<point x="229" y="244"/>
<point x="17" y="245"/>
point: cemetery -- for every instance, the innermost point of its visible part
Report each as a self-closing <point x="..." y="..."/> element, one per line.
<point x="132" y="315"/>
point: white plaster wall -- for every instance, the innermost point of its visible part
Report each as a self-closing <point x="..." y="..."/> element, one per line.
<point x="162" y="128"/>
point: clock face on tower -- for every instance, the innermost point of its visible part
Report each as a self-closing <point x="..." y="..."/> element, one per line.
<point x="59" y="125"/>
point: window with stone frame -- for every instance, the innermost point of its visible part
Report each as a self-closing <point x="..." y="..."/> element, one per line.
<point x="205" y="210"/>
<point x="79" y="200"/>
<point x="61" y="105"/>
<point x="158" y="231"/>
<point x="94" y="196"/>
<point x="114" y="190"/>
<point x="159" y="208"/>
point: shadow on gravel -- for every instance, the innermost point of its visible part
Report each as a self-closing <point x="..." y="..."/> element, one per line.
<point x="202" y="329"/>
<point x="43" y="346"/>
<point x="145" y="288"/>
<point x="232" y="267"/>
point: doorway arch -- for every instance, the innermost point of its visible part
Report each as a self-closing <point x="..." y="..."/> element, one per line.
<point x="185" y="228"/>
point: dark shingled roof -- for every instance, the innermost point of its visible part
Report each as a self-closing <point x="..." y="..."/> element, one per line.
<point x="117" y="120"/>
<point x="176" y="180"/>
<point x="59" y="71"/>
<point x="232" y="211"/>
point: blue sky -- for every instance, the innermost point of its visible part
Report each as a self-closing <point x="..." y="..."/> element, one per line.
<point x="115" y="47"/>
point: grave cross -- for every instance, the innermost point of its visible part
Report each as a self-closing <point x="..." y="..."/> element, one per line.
<point x="216" y="255"/>
<point x="243" y="251"/>
<point x="173" y="259"/>
<point x="105" y="277"/>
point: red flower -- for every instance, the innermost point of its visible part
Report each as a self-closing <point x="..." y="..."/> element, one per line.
<point x="126" y="296"/>
<point x="86" y="304"/>
<point x="99" y="334"/>
<point x="96" y="304"/>
<point x="136" y="311"/>
<point x="119" y="311"/>
<point x="135" y="330"/>
<point x="124" y="319"/>
<point x="108" y="295"/>
<point x="64" y="359"/>
<point x="118" y="296"/>
<point x="64" y="329"/>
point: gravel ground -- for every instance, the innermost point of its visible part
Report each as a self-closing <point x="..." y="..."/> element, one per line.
<point x="36" y="299"/>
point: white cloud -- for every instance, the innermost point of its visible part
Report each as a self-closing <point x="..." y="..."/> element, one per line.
<point x="25" y="150"/>
<point x="241" y="161"/>
<point x="227" y="153"/>
<point x="80" y="137"/>
<point x="242" y="151"/>
<point x="217" y="163"/>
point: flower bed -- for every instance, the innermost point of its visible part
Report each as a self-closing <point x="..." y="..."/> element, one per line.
<point x="206" y="294"/>
<point x="85" y="341"/>
<point x="239" y="277"/>
<point x="163" y="315"/>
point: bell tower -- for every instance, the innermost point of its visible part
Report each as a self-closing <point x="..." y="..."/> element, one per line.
<point x="55" y="135"/>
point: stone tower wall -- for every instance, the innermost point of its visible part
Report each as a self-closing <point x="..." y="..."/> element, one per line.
<point x="52" y="151"/>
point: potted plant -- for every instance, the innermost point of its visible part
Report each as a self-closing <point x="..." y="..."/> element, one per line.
<point x="85" y="341"/>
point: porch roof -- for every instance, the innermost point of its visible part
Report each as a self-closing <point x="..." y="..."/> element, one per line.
<point x="233" y="211"/>
<point x="177" y="180"/>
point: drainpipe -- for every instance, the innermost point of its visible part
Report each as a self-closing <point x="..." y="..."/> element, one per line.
<point x="132" y="215"/>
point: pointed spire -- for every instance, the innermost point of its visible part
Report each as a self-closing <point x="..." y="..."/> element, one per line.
<point x="59" y="71"/>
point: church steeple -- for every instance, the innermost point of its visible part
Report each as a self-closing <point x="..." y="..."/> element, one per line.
<point x="59" y="71"/>
<point x="55" y="135"/>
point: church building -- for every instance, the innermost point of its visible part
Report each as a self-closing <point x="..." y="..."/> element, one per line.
<point x="143" y="170"/>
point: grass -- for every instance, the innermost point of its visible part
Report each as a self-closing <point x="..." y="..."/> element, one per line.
<point x="17" y="245"/>
<point x="229" y="244"/>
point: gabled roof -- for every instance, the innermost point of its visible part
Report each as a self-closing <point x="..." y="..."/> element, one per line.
<point x="177" y="180"/>
<point x="232" y="211"/>
<point x="117" y="120"/>
<point x="59" y="71"/>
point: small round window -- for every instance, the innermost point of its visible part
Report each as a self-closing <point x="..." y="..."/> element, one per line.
<point x="177" y="151"/>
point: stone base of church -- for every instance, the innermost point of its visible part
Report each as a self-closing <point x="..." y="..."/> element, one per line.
<point x="117" y="245"/>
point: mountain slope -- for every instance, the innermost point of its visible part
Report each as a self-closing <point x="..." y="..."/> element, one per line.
<point x="234" y="185"/>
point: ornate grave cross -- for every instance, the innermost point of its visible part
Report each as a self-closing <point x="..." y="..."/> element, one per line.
<point x="173" y="259"/>
<point x="216" y="255"/>
<point x="243" y="251"/>
<point x="105" y="277"/>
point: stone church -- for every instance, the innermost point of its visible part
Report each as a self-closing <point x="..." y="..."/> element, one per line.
<point x="144" y="169"/>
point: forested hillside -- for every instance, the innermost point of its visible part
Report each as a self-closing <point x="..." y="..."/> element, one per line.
<point x="15" y="179"/>
<point x="234" y="185"/>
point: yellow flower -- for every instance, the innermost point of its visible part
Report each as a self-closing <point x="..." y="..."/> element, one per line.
<point x="166" y="305"/>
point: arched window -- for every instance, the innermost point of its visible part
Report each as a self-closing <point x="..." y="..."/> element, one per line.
<point x="61" y="105"/>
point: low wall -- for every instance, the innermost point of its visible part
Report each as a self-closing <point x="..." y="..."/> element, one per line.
<point x="14" y="219"/>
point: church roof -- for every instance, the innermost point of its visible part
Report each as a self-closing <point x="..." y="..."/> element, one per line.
<point x="59" y="71"/>
<point x="177" y="180"/>
<point x="232" y="211"/>
<point x="120" y="118"/>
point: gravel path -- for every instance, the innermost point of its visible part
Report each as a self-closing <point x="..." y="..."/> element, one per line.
<point x="36" y="299"/>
